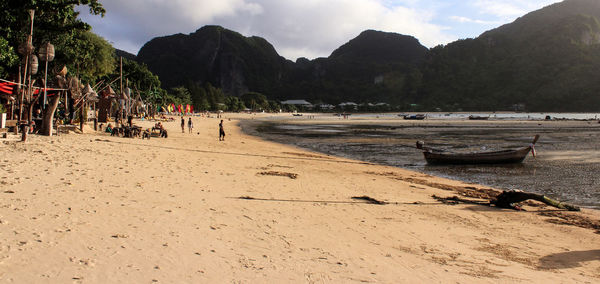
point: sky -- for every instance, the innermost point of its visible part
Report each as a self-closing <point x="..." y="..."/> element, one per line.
<point x="305" y="28"/>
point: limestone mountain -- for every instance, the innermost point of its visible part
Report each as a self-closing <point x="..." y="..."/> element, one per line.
<point x="547" y="60"/>
<point x="373" y="64"/>
<point x="216" y="55"/>
<point x="373" y="67"/>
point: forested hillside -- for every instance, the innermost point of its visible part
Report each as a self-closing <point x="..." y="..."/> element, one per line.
<point x="547" y="60"/>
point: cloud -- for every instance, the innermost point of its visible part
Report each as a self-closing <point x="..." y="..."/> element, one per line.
<point x="307" y="28"/>
<point x="510" y="9"/>
<point x="459" y="19"/>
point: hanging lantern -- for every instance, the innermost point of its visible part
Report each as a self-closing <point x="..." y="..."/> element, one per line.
<point x="26" y="48"/>
<point x="46" y="52"/>
<point x="32" y="69"/>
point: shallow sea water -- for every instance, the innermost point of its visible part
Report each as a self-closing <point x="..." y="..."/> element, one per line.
<point x="566" y="167"/>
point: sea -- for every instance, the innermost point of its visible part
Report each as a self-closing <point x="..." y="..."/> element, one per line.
<point x="566" y="167"/>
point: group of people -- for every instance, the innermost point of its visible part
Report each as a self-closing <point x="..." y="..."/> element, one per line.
<point x="190" y="125"/>
<point x="162" y="130"/>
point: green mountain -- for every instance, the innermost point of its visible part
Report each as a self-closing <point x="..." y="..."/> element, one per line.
<point x="547" y="60"/>
<point x="214" y="55"/>
<point x="369" y="67"/>
<point x="373" y="67"/>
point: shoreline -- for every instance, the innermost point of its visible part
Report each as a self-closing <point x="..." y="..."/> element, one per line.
<point x="190" y="208"/>
<point x="344" y="138"/>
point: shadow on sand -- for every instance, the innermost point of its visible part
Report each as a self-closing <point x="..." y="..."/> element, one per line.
<point x="309" y="158"/>
<point x="570" y="259"/>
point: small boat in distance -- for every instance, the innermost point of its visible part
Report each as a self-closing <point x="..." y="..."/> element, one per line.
<point x="477" y="117"/>
<point x="442" y="157"/>
<point x="414" y="116"/>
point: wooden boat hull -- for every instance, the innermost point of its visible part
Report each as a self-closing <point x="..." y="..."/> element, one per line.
<point x="414" y="117"/>
<point x="474" y="117"/>
<point x="497" y="157"/>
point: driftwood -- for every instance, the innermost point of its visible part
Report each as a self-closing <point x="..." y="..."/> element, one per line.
<point x="369" y="200"/>
<point x="508" y="199"/>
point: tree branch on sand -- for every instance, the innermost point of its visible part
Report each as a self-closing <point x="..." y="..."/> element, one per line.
<point x="508" y="199"/>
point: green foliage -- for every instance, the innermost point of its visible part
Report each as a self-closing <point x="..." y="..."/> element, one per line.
<point x="255" y="101"/>
<point x="55" y="21"/>
<point x="2" y="108"/>
<point x="92" y="54"/>
<point x="141" y="80"/>
<point x="234" y="104"/>
<point x="7" y="57"/>
<point x="180" y="95"/>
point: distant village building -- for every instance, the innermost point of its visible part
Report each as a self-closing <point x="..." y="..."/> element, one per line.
<point x="348" y="105"/>
<point x="298" y="103"/>
<point x="325" y="106"/>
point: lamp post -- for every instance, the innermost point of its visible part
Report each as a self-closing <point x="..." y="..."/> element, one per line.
<point x="46" y="54"/>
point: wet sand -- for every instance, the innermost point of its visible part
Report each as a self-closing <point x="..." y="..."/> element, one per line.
<point x="566" y="165"/>
<point x="91" y="208"/>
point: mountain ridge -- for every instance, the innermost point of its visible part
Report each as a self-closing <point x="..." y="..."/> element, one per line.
<point x="544" y="60"/>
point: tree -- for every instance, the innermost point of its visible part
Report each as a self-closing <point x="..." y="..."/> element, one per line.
<point x="274" y="106"/>
<point x="7" y="57"/>
<point x="234" y="104"/>
<point x="254" y="100"/>
<point x="94" y="56"/>
<point x="140" y="79"/>
<point x="181" y="95"/>
<point x="55" y="21"/>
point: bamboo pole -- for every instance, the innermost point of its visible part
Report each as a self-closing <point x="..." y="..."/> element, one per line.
<point x="121" y="85"/>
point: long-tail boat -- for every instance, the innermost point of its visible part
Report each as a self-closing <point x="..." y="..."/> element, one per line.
<point x="414" y="116"/>
<point x="477" y="117"/>
<point x="439" y="156"/>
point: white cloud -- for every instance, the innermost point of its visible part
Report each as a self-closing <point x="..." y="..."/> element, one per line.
<point x="303" y="28"/>
<point x="510" y="9"/>
<point x="459" y="19"/>
<point x="308" y="28"/>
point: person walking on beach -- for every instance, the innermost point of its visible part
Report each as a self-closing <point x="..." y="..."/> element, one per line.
<point x="221" y="132"/>
<point x="182" y="125"/>
<point x="190" y="125"/>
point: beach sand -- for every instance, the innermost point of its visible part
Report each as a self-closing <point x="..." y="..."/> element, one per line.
<point x="91" y="208"/>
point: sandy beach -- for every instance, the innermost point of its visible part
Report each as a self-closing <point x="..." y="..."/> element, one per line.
<point x="91" y="208"/>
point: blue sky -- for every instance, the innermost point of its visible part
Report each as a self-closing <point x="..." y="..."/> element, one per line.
<point x="306" y="28"/>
